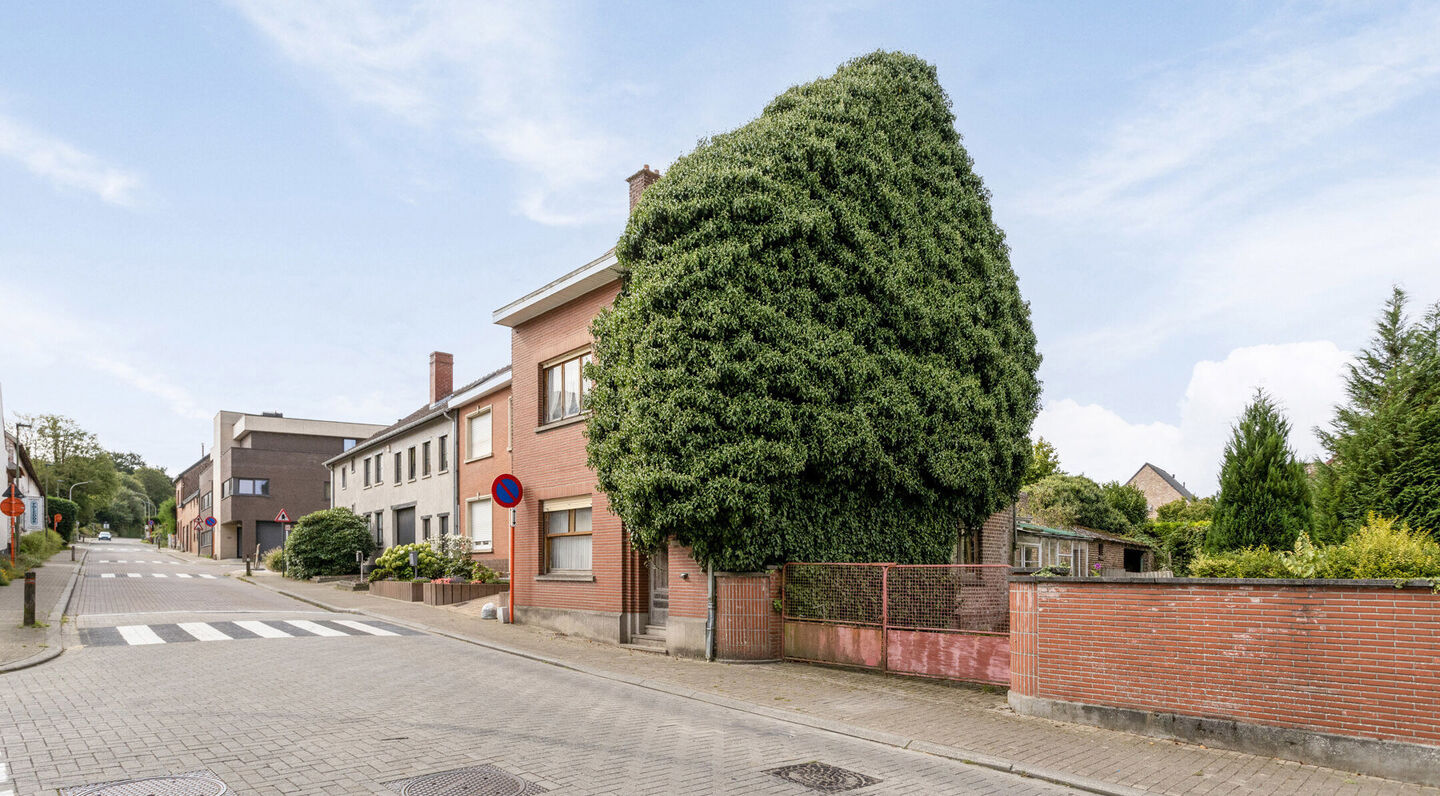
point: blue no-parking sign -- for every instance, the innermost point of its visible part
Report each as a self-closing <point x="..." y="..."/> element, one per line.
<point x="507" y="490"/>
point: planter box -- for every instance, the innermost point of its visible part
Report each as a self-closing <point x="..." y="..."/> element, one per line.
<point x="398" y="590"/>
<point x="451" y="593"/>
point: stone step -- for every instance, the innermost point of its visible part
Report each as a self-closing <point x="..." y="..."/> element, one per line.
<point x="642" y="644"/>
<point x="655" y="630"/>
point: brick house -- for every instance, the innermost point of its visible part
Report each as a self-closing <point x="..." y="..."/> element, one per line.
<point x="257" y="466"/>
<point x="194" y="503"/>
<point x="1159" y="487"/>
<point x="1079" y="549"/>
<point x="482" y="413"/>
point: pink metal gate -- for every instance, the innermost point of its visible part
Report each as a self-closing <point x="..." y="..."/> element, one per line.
<point x="949" y="621"/>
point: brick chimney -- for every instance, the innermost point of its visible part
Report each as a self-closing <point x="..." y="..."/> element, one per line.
<point x="639" y="181"/>
<point x="442" y="375"/>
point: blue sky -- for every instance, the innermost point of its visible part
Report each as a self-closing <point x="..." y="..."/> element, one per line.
<point x="281" y="206"/>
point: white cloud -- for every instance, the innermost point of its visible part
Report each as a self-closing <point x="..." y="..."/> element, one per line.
<point x="1214" y="134"/>
<point x="501" y="73"/>
<point x="66" y="166"/>
<point x="1306" y="379"/>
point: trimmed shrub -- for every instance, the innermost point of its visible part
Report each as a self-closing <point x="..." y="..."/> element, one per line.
<point x="68" y="511"/>
<point x="1381" y="548"/>
<point x="1251" y="562"/>
<point x="325" y="543"/>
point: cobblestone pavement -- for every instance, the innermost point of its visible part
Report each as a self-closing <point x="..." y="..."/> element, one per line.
<point x="18" y="642"/>
<point x="962" y="717"/>
<point x="331" y="715"/>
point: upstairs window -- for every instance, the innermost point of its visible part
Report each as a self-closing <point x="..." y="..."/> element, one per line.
<point x="397" y="469"/>
<point x="259" y="487"/>
<point x="412" y="463"/>
<point x="444" y="453"/>
<point x="565" y="389"/>
<point x="379" y="468"/>
<point x="367" y="471"/>
<point x="478" y="435"/>
<point x="425" y="458"/>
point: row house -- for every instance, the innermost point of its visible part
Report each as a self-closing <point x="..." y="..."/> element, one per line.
<point x="262" y="472"/>
<point x="420" y="478"/>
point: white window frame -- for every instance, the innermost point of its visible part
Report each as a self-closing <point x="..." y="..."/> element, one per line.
<point x="583" y="357"/>
<point x="470" y="420"/>
<point x="486" y="545"/>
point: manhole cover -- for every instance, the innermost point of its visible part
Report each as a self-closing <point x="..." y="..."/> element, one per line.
<point x="823" y="777"/>
<point x="484" y="780"/>
<point x="191" y="783"/>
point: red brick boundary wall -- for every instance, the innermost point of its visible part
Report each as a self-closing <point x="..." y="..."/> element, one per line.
<point x="1344" y="674"/>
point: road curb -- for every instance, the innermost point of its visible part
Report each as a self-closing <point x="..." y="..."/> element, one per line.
<point x="955" y="753"/>
<point x="54" y="634"/>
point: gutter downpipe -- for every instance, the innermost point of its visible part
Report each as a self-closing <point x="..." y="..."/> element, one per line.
<point x="710" y="613"/>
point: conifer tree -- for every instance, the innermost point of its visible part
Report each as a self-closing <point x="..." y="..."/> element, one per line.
<point x="1264" y="491"/>
<point x="819" y="351"/>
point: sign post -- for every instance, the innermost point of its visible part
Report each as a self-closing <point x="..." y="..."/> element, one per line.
<point x="507" y="492"/>
<point x="12" y="506"/>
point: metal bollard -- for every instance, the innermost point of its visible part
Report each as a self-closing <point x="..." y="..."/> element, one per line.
<point x="72" y="552"/>
<point x="30" y="598"/>
<point x="247" y="566"/>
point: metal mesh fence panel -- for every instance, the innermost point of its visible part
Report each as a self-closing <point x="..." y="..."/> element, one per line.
<point x="973" y="598"/>
<point x="843" y="593"/>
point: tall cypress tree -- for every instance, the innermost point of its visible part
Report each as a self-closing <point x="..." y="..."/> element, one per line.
<point x="1385" y="442"/>
<point x="1264" y="492"/>
<point x="820" y="351"/>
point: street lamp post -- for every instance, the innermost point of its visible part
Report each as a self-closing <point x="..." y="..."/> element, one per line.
<point x="71" y="497"/>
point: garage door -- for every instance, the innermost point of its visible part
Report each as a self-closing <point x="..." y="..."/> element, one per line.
<point x="269" y="535"/>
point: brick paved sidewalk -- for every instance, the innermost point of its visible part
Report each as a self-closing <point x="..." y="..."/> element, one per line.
<point x="955" y="720"/>
<point x="52" y="579"/>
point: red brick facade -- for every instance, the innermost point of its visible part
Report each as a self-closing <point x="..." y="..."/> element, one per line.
<point x="476" y="475"/>
<point x="1350" y="659"/>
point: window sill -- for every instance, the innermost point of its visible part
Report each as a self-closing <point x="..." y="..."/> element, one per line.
<point x="569" y="421"/>
<point x="479" y="458"/>
<point x="556" y="577"/>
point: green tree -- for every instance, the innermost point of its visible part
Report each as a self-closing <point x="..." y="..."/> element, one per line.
<point x="1264" y="492"/>
<point x="819" y="351"/>
<point x="1068" y="500"/>
<point x="1044" y="462"/>
<point x="1128" y="501"/>
<point x="1385" y="442"/>
<point x="67" y="511"/>
<point x="1182" y="510"/>
<point x="167" y="516"/>
<point x="156" y="484"/>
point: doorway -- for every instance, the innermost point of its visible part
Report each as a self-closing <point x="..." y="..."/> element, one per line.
<point x="405" y="526"/>
<point x="659" y="586"/>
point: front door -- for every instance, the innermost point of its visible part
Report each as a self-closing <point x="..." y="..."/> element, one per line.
<point x="405" y="526"/>
<point x="659" y="586"/>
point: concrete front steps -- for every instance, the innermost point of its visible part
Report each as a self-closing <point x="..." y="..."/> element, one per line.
<point x="652" y="640"/>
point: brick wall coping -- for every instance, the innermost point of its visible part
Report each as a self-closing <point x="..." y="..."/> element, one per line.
<point x="1307" y="582"/>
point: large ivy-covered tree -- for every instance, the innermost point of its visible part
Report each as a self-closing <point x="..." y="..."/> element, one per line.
<point x="820" y="351"/>
<point x="1264" y="494"/>
<point x="1385" y="441"/>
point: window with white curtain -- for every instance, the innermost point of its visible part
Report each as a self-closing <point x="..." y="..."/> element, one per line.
<point x="480" y="521"/>
<point x="478" y="434"/>
<point x="567" y="535"/>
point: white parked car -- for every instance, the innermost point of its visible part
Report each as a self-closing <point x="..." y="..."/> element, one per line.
<point x="103" y="536"/>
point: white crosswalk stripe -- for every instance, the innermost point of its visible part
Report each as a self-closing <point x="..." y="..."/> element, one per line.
<point x="108" y="575"/>
<point x="203" y="631"/>
<point x="158" y="575"/>
<point x="139" y="634"/>
<point x="211" y="577"/>
<point x="181" y="575"/>
<point x="132" y="574"/>
<point x="311" y="627"/>
<point x="263" y="630"/>
<point x="364" y="628"/>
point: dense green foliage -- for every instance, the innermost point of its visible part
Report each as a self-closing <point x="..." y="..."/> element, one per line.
<point x="67" y="510"/>
<point x="394" y="563"/>
<point x="325" y="543"/>
<point x="109" y="487"/>
<point x="1063" y="501"/>
<point x="1198" y="510"/>
<point x="166" y="525"/>
<point x="32" y="551"/>
<point x="1385" y="442"/>
<point x="1264" y="492"/>
<point x="274" y="559"/>
<point x="819" y="351"/>
<point x="1177" y="543"/>
<point x="1382" y="548"/>
<point x="1044" y="462"/>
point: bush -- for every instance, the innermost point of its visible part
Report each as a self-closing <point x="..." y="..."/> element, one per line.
<point x="325" y="543"/>
<point x="1382" y="548"/>
<point x="1251" y="562"/>
<point x="41" y="544"/>
<point x="274" y="559"/>
<point x="1179" y="542"/>
<point x="67" y="510"/>
<point x="394" y="564"/>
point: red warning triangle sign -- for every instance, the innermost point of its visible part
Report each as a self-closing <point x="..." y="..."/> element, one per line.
<point x="282" y="516"/>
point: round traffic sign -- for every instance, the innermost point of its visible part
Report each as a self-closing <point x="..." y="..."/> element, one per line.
<point x="507" y="490"/>
<point x="12" y="507"/>
<point x="210" y="522"/>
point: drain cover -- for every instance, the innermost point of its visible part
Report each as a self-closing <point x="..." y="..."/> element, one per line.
<point x="484" y="780"/>
<point x="823" y="777"/>
<point x="191" y="783"/>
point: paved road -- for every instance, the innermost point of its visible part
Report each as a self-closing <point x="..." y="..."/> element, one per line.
<point x="179" y="674"/>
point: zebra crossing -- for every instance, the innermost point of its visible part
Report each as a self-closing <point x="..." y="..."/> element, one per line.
<point x="138" y="561"/>
<point x="180" y="575"/>
<point x="181" y="632"/>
